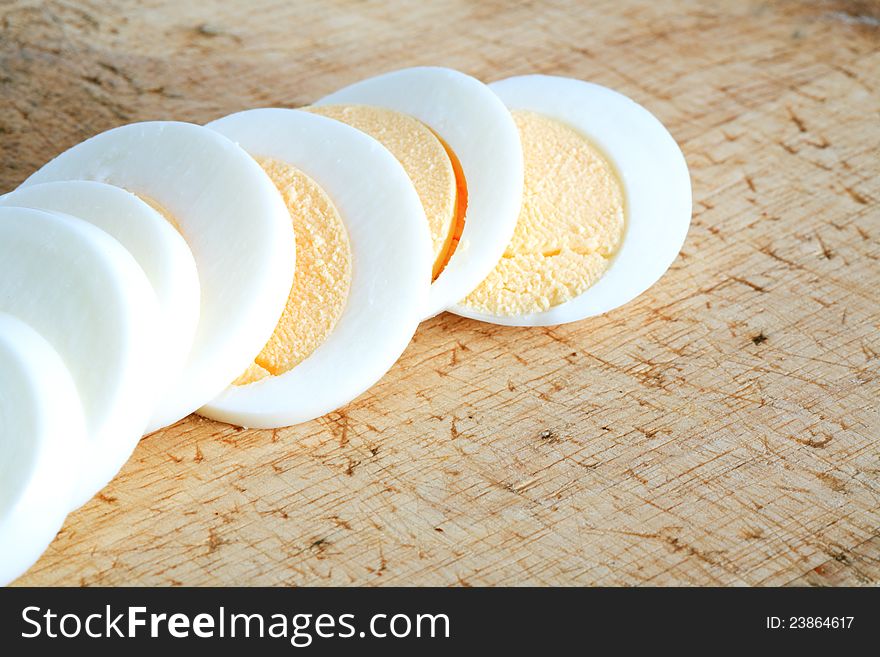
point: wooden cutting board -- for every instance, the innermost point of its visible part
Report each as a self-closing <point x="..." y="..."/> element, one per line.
<point x="722" y="429"/>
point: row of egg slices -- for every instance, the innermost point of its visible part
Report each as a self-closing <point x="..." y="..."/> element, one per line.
<point x="145" y="269"/>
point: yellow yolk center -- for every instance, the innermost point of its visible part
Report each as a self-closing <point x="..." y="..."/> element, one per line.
<point x="321" y="281"/>
<point x="427" y="160"/>
<point x="167" y="216"/>
<point x="569" y="228"/>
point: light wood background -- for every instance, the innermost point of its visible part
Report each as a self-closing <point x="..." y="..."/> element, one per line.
<point x="722" y="429"/>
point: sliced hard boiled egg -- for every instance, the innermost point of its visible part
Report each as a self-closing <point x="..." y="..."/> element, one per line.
<point x="42" y="438"/>
<point x="483" y="148"/>
<point x="234" y="221"/>
<point x="363" y="268"/>
<point x="606" y="205"/>
<point x="85" y="294"/>
<point x="156" y="246"/>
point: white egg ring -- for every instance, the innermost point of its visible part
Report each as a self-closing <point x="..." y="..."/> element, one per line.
<point x="391" y="265"/>
<point x="655" y="181"/>
<point x="156" y="246"/>
<point x="42" y="437"/>
<point x="87" y="296"/>
<point x="480" y="131"/>
<point x="234" y="221"/>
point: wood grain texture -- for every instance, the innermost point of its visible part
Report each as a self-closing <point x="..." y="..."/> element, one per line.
<point x="721" y="429"/>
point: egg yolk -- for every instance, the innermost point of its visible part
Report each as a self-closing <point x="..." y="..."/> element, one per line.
<point x="161" y="210"/>
<point x="428" y="161"/>
<point x="321" y="281"/>
<point x="570" y="225"/>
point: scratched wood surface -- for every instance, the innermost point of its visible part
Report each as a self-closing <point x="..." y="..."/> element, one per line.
<point x="722" y="429"/>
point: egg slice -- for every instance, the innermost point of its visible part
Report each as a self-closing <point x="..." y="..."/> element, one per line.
<point x="156" y="246"/>
<point x="42" y="437"/>
<point x="484" y="151"/>
<point x="363" y="273"/>
<point x="235" y="223"/>
<point x="606" y="205"/>
<point x="85" y="294"/>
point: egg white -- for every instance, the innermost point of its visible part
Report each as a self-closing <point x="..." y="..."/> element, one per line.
<point x="235" y="223"/>
<point x="655" y="181"/>
<point x="156" y="246"/>
<point x="42" y="438"/>
<point x="87" y="296"/>
<point x="391" y="265"/>
<point x="480" y="131"/>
